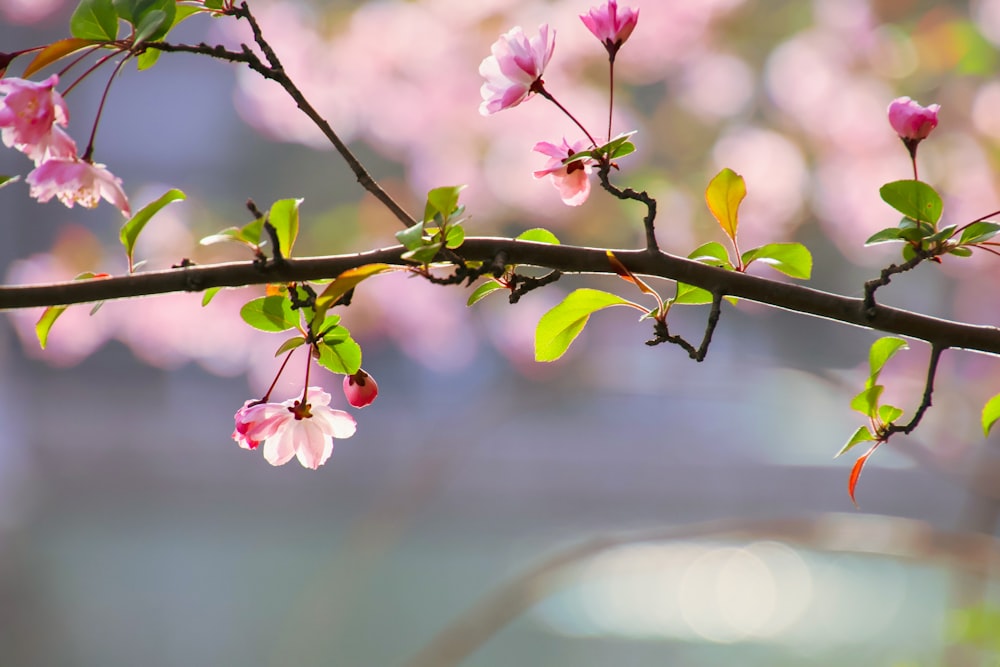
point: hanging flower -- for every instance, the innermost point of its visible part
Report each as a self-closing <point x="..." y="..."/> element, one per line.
<point x="29" y="115"/>
<point x="76" y="181"/>
<point x="292" y="428"/>
<point x="515" y="68"/>
<point x="360" y="389"/>
<point x="611" y="25"/>
<point x="572" y="179"/>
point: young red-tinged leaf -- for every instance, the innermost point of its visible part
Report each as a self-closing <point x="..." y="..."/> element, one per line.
<point x="130" y="230"/>
<point x="538" y="235"/>
<point x="724" y="194"/>
<point x="49" y="316"/>
<point x="991" y="412"/>
<point x="56" y="51"/>
<point x="914" y="199"/>
<point x="627" y="275"/>
<point x="290" y="344"/>
<point x="882" y="351"/>
<point x="852" y="481"/>
<point x="344" y="283"/>
<point x="861" y="435"/>
<point x="488" y="287"/>
<point x="792" y="259"/>
<point x="270" y="313"/>
<point x="344" y="356"/>
<point x="208" y="295"/>
<point x="712" y="253"/>
<point x="284" y="217"/>
<point x="559" y="327"/>
<point x="94" y="19"/>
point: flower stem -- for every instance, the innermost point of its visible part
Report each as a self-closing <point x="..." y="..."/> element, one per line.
<point x="539" y="88"/>
<point x="100" y="110"/>
<point x="611" y="93"/>
<point x="281" y="370"/>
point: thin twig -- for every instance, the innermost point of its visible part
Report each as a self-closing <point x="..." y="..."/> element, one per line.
<point x="521" y="285"/>
<point x="663" y="335"/>
<point x="885" y="277"/>
<point x="925" y="402"/>
<point x="603" y="174"/>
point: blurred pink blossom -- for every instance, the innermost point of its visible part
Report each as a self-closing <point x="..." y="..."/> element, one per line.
<point x="610" y="26"/>
<point x="76" y="181"/>
<point x="514" y="68"/>
<point x="571" y="180"/>
<point x="29" y="114"/>
<point x="360" y="389"/>
<point x="911" y="121"/>
<point x="292" y="429"/>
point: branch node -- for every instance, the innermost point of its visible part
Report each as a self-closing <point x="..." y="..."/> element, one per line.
<point x="521" y="285"/>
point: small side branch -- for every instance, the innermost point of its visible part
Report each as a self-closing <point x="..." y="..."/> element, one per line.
<point x="521" y="285"/>
<point x="628" y="193"/>
<point x="885" y="277"/>
<point x="925" y="402"/>
<point x="662" y="332"/>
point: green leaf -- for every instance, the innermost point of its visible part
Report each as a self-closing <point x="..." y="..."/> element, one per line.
<point x="130" y="230"/>
<point x="712" y="253"/>
<point x="909" y="252"/>
<point x="961" y="252"/>
<point x="424" y="254"/>
<point x="213" y="4"/>
<point x="792" y="259"/>
<point x="443" y="201"/>
<point x="284" y="217"/>
<point x="724" y="194"/>
<point x="978" y="232"/>
<point x="861" y="435"/>
<point x="291" y="344"/>
<point x="486" y="288"/>
<point x="866" y="402"/>
<point x="889" y="413"/>
<point x="412" y="237"/>
<point x="562" y="324"/>
<point x="538" y="235"/>
<point x="343" y="357"/>
<point x="455" y="237"/>
<point x="147" y="58"/>
<point x="249" y="234"/>
<point x="49" y="316"/>
<point x="914" y="199"/>
<point x="887" y="234"/>
<point x="153" y="25"/>
<point x="937" y="237"/>
<point x="94" y="19"/>
<point x="208" y="295"/>
<point x="690" y="295"/>
<point x="991" y="412"/>
<point x="7" y="180"/>
<point x="270" y="313"/>
<point x="626" y="148"/>
<point x="882" y="351"/>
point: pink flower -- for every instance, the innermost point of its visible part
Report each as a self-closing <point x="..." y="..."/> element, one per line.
<point x="515" y="68"/>
<point x="610" y="26"/>
<point x="291" y="429"/>
<point x="911" y="121"/>
<point x="73" y="180"/>
<point x="29" y="114"/>
<point x="571" y="180"/>
<point x="360" y="389"/>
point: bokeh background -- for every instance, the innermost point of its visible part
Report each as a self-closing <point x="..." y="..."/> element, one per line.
<point x="133" y="531"/>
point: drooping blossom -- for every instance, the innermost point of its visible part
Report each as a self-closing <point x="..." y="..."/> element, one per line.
<point x="76" y="181"/>
<point x="572" y="180"/>
<point x="29" y="115"/>
<point x="292" y="429"/>
<point x="911" y="121"/>
<point x="611" y="25"/>
<point x="360" y="389"/>
<point x="515" y="68"/>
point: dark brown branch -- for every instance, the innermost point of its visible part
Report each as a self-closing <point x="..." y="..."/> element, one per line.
<point x="628" y="193"/>
<point x="565" y="258"/>
<point x="925" y="402"/>
<point x="275" y="72"/>
<point x="885" y="277"/>
<point x="663" y="335"/>
<point x="521" y="285"/>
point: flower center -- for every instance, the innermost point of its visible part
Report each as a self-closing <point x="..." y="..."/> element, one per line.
<point x="301" y="410"/>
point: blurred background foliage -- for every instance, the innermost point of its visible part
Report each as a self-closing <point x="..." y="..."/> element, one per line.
<point x="133" y="531"/>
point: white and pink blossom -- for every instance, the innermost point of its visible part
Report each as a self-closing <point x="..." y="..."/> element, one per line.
<point x="514" y="68"/>
<point x="76" y="181"/>
<point x="29" y="115"/>
<point x="291" y="428"/>
<point x="572" y="180"/>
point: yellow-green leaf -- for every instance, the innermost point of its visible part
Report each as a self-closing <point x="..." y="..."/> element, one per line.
<point x="724" y="194"/>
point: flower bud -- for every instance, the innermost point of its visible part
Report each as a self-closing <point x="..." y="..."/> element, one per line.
<point x="360" y="389"/>
<point x="911" y="121"/>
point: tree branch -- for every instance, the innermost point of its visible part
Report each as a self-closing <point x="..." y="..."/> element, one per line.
<point x="567" y="259"/>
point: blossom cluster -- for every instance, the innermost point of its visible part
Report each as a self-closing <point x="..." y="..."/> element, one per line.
<point x="513" y="74"/>
<point x="32" y="115"/>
